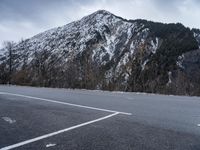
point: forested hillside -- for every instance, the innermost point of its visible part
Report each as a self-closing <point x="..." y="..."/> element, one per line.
<point x="104" y="51"/>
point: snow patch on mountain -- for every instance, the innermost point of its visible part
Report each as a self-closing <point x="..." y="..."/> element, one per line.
<point x="179" y="62"/>
<point x="144" y="64"/>
<point x="154" y="45"/>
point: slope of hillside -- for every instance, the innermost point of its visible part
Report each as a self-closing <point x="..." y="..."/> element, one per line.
<point x="103" y="51"/>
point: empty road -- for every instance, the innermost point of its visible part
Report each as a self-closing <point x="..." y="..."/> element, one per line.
<point x="64" y="119"/>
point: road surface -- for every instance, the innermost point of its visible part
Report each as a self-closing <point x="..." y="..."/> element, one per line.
<point x="65" y="119"/>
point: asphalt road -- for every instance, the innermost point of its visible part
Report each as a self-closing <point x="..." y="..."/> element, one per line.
<point x="64" y="119"/>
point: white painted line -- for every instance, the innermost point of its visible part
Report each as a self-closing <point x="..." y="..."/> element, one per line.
<point x="9" y="120"/>
<point x="50" y="145"/>
<point x="64" y="103"/>
<point x="57" y="132"/>
<point x="198" y="125"/>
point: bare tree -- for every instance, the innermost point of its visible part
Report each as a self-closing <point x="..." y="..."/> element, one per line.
<point x="9" y="45"/>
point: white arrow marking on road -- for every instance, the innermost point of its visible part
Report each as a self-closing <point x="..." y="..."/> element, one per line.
<point x="50" y="145"/>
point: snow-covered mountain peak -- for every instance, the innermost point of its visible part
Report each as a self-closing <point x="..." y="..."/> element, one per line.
<point x="101" y="12"/>
<point x="98" y="17"/>
<point x="102" y="29"/>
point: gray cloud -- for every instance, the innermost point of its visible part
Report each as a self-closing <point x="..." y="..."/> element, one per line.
<point x="32" y="10"/>
<point x="25" y="18"/>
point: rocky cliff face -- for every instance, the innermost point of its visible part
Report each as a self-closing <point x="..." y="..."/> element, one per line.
<point x="103" y="51"/>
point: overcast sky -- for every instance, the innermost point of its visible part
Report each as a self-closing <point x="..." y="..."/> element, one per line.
<point x="25" y="18"/>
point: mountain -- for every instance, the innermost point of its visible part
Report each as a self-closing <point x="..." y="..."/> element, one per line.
<point x="104" y="51"/>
